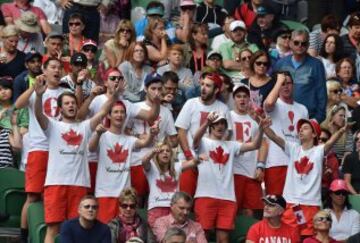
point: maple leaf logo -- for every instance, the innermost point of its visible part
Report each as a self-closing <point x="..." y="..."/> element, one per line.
<point x="203" y="117"/>
<point x="50" y="107"/>
<point x="167" y="185"/>
<point x="118" y="155"/>
<point x="72" y="138"/>
<point x="218" y="156"/>
<point x="304" y="166"/>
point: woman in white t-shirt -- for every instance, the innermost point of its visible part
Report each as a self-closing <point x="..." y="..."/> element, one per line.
<point x="163" y="175"/>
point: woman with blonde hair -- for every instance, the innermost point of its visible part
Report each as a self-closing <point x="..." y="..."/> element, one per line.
<point x="163" y="175"/>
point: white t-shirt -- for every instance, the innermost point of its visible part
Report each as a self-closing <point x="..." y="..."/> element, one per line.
<point x="303" y="177"/>
<point x="24" y="151"/>
<point x="216" y="176"/>
<point x="346" y="226"/>
<point x="162" y="187"/>
<point x="67" y="164"/>
<point x="166" y="125"/>
<point x="95" y="106"/>
<point x="38" y="140"/>
<point x="113" y="173"/>
<point x="194" y="113"/>
<point x="284" y="119"/>
<point x="244" y="130"/>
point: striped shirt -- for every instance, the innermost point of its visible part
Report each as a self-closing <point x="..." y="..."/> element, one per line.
<point x="6" y="156"/>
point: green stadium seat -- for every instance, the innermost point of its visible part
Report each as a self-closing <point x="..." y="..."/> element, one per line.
<point x="293" y="25"/>
<point x="355" y="202"/>
<point x="142" y="213"/>
<point x="242" y="225"/>
<point x="37" y="226"/>
<point x="57" y="239"/>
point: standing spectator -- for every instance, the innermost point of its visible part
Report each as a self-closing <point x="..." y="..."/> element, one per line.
<point x="186" y="21"/>
<point x="192" y="115"/>
<point x="308" y="74"/>
<point x="12" y="11"/>
<point x="247" y="11"/>
<point x="89" y="9"/>
<point x="352" y="39"/>
<point x="330" y="53"/>
<point x="85" y="228"/>
<point x="304" y="173"/>
<point x="210" y="13"/>
<point x="178" y="217"/>
<point x="285" y="114"/>
<point x="329" y="25"/>
<point x="350" y="167"/>
<point x="128" y="223"/>
<point x="271" y="228"/>
<point x="345" y="221"/>
<point x="11" y="59"/>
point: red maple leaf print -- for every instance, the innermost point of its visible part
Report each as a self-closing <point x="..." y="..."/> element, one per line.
<point x="243" y="131"/>
<point x="50" y="107"/>
<point x="72" y="138"/>
<point x="118" y="155"/>
<point x="203" y="117"/>
<point x="167" y="185"/>
<point x="304" y="166"/>
<point x="218" y="156"/>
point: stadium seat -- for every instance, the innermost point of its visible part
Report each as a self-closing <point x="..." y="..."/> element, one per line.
<point x="57" y="239"/>
<point x="355" y="202"/>
<point x="142" y="213"/>
<point x="293" y="25"/>
<point x="242" y="225"/>
<point x="37" y="226"/>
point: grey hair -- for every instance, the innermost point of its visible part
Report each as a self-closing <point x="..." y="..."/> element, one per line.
<point x="300" y="32"/>
<point x="174" y="231"/>
<point x="181" y="195"/>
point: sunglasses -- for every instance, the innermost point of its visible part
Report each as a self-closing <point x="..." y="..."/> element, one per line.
<point x="113" y="78"/>
<point x="265" y="64"/>
<point x="299" y="43"/>
<point x="88" y="206"/>
<point x="342" y="193"/>
<point x="74" y="23"/>
<point x="125" y="30"/>
<point x="90" y="48"/>
<point x="245" y="58"/>
<point x="285" y="36"/>
<point x="324" y="219"/>
<point x="215" y="59"/>
<point x="336" y="91"/>
<point x="126" y="206"/>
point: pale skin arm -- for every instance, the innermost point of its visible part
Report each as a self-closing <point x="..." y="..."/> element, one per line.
<point x="15" y="138"/>
<point x="270" y="101"/>
<point x="45" y="26"/>
<point x="232" y="65"/>
<point x="276" y="139"/>
<point x="40" y="88"/>
<point x="146" y="141"/>
<point x="94" y="140"/>
<point x="183" y="139"/>
<point x="111" y="58"/>
<point x="156" y="55"/>
<point x="152" y="114"/>
<point x="312" y="52"/>
<point x="23" y="100"/>
<point x="84" y="109"/>
<point x="183" y="34"/>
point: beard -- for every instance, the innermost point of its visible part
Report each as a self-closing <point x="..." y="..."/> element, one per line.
<point x="208" y="96"/>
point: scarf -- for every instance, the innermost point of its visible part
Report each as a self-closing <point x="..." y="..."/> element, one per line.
<point x="126" y="231"/>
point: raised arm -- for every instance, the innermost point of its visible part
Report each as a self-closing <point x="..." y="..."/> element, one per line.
<point x="40" y="88"/>
<point x="94" y="140"/>
<point x="146" y="159"/>
<point x="270" y="101"/>
<point x="146" y="141"/>
<point x="191" y="163"/>
<point x="23" y="100"/>
<point x="15" y="138"/>
<point x="152" y="114"/>
<point x="276" y="139"/>
<point x="255" y="144"/>
<point x="328" y="145"/>
<point x="202" y="129"/>
<point x="84" y="109"/>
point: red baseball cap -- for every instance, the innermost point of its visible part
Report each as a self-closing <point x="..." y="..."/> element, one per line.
<point x="313" y="123"/>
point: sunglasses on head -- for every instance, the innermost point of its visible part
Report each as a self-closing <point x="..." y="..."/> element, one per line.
<point x="113" y="78"/>
<point x="300" y="43"/>
<point x="126" y="206"/>
<point x="74" y="23"/>
<point x="259" y="63"/>
<point x="123" y="30"/>
<point x="324" y="219"/>
<point x="343" y="193"/>
<point x="93" y="49"/>
<point x="88" y="206"/>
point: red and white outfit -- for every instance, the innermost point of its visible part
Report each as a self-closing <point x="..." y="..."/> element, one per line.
<point x="303" y="185"/>
<point x="94" y="107"/>
<point x="192" y="115"/>
<point x="162" y="188"/>
<point x="38" y="144"/>
<point x="113" y="173"/>
<point x="284" y="119"/>
<point x="67" y="177"/>
<point x="247" y="189"/>
<point x="215" y="204"/>
<point x="140" y="127"/>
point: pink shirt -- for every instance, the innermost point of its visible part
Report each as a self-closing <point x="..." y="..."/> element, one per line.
<point x="193" y="230"/>
<point x="13" y="11"/>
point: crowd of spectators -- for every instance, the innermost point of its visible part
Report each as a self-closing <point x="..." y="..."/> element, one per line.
<point x="193" y="112"/>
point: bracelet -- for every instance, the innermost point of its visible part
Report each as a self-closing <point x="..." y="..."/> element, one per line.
<point x="260" y="165"/>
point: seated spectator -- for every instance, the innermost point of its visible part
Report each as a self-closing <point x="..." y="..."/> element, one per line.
<point x="75" y="39"/>
<point x="174" y="235"/>
<point x="345" y="221"/>
<point x="181" y="204"/>
<point x="226" y="93"/>
<point x="85" y="228"/>
<point x="226" y="36"/>
<point x="210" y="13"/>
<point x="11" y="59"/>
<point x="186" y="20"/>
<point x="322" y="223"/>
<point x="114" y="49"/>
<point x="135" y="70"/>
<point x="329" y="25"/>
<point x="352" y="39"/>
<point x="13" y="10"/>
<point x="247" y="12"/>
<point x="176" y="58"/>
<point x="345" y="70"/>
<point x="245" y="56"/>
<point x="173" y="97"/>
<point x="351" y="167"/>
<point x="271" y="228"/>
<point x="281" y="49"/>
<point x="90" y="49"/>
<point x="330" y="53"/>
<point x="156" y="42"/>
<point x="128" y="223"/>
<point x="54" y="43"/>
<point x="30" y="35"/>
<point x="335" y="96"/>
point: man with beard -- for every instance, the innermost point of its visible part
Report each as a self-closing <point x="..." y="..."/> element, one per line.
<point x="271" y="229"/>
<point x="193" y="114"/>
<point x="24" y="80"/>
<point x="67" y="175"/>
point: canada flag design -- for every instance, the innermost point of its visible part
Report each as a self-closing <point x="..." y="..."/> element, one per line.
<point x="72" y="138"/>
<point x="167" y="185"/>
<point x="118" y="155"/>
<point x="203" y="117"/>
<point x="243" y="131"/>
<point x="218" y="156"/>
<point x="304" y="166"/>
<point x="50" y="107"/>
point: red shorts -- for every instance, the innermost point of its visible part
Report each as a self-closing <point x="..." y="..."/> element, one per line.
<point x="275" y="180"/>
<point x="188" y="181"/>
<point x="62" y="202"/>
<point x="92" y="168"/>
<point x="248" y="193"/>
<point x="35" y="172"/>
<point x="155" y="213"/>
<point x="138" y="180"/>
<point x="108" y="208"/>
<point x="215" y="213"/>
<point x="309" y="213"/>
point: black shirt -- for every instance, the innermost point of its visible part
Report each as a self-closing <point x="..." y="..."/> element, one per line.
<point x="14" y="67"/>
<point x="352" y="166"/>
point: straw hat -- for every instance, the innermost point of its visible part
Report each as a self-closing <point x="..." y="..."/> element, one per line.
<point x="28" y="22"/>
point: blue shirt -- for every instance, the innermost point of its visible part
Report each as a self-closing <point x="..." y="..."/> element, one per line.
<point x="141" y="25"/>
